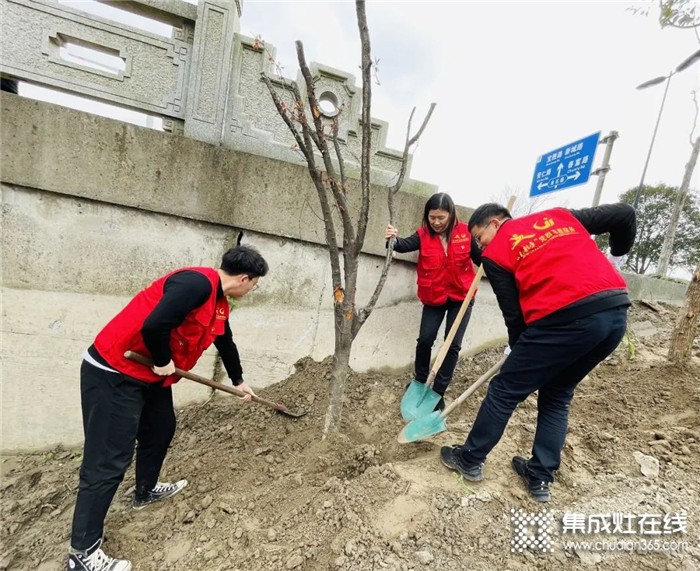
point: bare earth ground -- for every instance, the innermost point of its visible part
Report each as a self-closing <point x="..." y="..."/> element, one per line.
<point x="266" y="493"/>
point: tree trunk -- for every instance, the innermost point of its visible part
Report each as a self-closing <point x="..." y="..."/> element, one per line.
<point x="687" y="327"/>
<point x="669" y="239"/>
<point x="339" y="375"/>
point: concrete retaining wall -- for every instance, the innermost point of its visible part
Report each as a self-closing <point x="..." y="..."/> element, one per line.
<point x="93" y="210"/>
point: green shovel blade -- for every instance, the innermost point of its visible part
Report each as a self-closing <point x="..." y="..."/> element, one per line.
<point x="423" y="427"/>
<point x="418" y="401"/>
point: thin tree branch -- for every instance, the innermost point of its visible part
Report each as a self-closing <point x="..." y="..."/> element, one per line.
<point x="366" y="66"/>
<point x="285" y="117"/>
<point x="695" y="119"/>
<point x="322" y="144"/>
<point x="409" y="143"/>
<point x="339" y="155"/>
<point x="365" y="312"/>
<point x="306" y="147"/>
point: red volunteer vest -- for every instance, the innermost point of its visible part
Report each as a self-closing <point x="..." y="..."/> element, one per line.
<point x="554" y="260"/>
<point x="443" y="276"/>
<point x="187" y="341"/>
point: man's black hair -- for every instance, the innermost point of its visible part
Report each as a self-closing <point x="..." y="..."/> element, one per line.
<point x="485" y="212"/>
<point x="440" y="201"/>
<point x="244" y="260"/>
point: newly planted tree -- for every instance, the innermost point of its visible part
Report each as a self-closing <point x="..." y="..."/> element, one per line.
<point x="317" y="138"/>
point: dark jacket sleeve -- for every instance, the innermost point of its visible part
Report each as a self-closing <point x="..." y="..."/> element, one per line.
<point x="410" y="244"/>
<point x="475" y="252"/>
<point x="619" y="220"/>
<point x="182" y="293"/>
<point x="229" y="355"/>
<point x="508" y="297"/>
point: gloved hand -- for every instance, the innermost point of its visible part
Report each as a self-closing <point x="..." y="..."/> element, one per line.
<point x="506" y="351"/>
<point x="165" y="370"/>
<point x="617" y="261"/>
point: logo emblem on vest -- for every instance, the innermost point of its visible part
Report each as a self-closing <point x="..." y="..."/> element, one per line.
<point x="517" y="238"/>
<point x="546" y="223"/>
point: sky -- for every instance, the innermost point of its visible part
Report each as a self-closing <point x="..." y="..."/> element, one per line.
<point x="511" y="80"/>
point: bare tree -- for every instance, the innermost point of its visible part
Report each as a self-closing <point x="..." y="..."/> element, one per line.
<point x="317" y="140"/>
<point x="687" y="327"/>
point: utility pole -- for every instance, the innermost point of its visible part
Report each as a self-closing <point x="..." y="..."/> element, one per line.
<point x="669" y="239"/>
<point x="609" y="141"/>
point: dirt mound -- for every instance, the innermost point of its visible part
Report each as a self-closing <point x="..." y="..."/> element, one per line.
<point x="266" y="493"/>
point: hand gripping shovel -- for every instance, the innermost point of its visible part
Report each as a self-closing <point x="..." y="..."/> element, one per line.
<point x="434" y="423"/>
<point x="279" y="407"/>
<point x="420" y="399"/>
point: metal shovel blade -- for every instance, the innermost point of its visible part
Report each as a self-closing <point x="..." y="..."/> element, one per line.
<point x="423" y="427"/>
<point x="418" y="400"/>
<point x="279" y="407"/>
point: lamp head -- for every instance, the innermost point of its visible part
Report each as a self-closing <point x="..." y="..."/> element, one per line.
<point x="686" y="63"/>
<point x="654" y="81"/>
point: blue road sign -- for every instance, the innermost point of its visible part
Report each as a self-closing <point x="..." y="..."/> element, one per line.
<point x="565" y="167"/>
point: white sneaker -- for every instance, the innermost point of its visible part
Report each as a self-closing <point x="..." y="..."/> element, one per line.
<point x="161" y="491"/>
<point x="96" y="560"/>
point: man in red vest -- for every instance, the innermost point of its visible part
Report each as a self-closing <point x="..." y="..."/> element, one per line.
<point x="172" y="321"/>
<point x="565" y="307"/>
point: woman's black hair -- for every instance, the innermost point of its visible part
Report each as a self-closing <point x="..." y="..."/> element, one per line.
<point x="440" y="201"/>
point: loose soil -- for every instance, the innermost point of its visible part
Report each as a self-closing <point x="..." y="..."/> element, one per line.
<point x="266" y="493"/>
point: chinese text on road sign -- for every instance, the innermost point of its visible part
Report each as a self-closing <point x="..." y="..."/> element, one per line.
<point x="564" y="167"/>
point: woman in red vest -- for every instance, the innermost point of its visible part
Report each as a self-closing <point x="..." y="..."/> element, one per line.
<point x="446" y="254"/>
<point x="173" y="321"/>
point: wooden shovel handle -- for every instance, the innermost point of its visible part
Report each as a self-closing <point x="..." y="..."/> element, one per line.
<point x="475" y="385"/>
<point x="138" y="358"/>
<point x="453" y="330"/>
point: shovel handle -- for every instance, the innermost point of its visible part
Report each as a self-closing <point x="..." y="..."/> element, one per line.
<point x="138" y="358"/>
<point x="453" y="330"/>
<point x="475" y="385"/>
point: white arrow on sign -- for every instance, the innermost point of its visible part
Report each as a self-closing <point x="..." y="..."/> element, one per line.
<point x="575" y="176"/>
<point x="541" y="185"/>
<point x="561" y="166"/>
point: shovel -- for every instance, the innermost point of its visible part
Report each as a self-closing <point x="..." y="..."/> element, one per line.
<point x="434" y="423"/>
<point x="279" y="407"/>
<point x="420" y="399"/>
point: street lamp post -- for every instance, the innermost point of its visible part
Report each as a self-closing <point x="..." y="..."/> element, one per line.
<point x="685" y="64"/>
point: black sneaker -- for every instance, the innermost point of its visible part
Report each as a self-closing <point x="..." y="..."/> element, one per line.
<point x="161" y="491"/>
<point x="451" y="458"/>
<point x="440" y="406"/>
<point x="539" y="490"/>
<point x="94" y="559"/>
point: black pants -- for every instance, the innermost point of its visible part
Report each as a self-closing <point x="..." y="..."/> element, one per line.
<point x="551" y="360"/>
<point x="117" y="411"/>
<point x="429" y="325"/>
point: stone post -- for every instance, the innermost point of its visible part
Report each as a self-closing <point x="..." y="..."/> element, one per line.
<point x="210" y="72"/>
